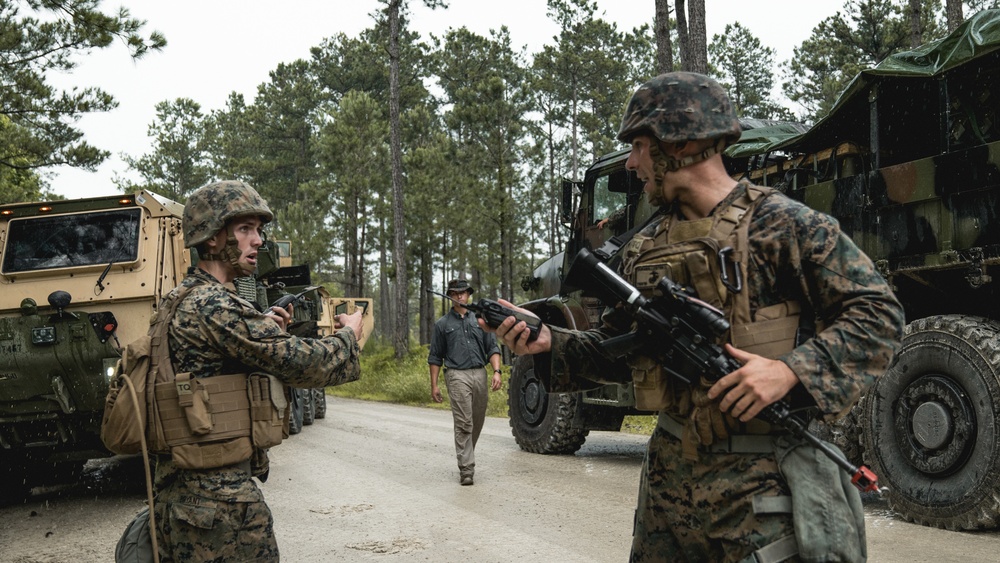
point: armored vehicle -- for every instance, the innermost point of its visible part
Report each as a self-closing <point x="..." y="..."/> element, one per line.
<point x="907" y="161"/>
<point x="78" y="279"/>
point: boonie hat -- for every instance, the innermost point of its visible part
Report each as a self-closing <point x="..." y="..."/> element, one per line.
<point x="459" y="286"/>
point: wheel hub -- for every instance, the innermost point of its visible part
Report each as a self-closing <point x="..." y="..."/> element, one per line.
<point x="935" y="425"/>
<point x="534" y="399"/>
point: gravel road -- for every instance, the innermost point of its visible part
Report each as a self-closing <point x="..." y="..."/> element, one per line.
<point x="378" y="482"/>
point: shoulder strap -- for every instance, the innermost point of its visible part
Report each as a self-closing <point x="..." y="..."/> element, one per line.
<point x="737" y="218"/>
<point x="160" y="367"/>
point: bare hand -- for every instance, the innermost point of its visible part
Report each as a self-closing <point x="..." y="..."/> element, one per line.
<point x="602" y="223"/>
<point x="514" y="333"/>
<point x="352" y="321"/>
<point x="495" y="384"/>
<point x="281" y="316"/>
<point x="754" y="386"/>
<point x="436" y="394"/>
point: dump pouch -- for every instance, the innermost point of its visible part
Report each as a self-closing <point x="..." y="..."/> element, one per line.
<point x="826" y="508"/>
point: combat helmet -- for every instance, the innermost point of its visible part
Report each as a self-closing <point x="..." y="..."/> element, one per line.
<point x="681" y="106"/>
<point x="211" y="206"/>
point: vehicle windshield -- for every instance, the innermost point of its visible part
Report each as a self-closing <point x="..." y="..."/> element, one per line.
<point x="61" y="241"/>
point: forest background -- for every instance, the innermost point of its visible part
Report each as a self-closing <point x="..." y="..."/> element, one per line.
<point x="395" y="162"/>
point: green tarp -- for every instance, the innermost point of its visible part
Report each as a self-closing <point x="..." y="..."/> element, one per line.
<point x="977" y="36"/>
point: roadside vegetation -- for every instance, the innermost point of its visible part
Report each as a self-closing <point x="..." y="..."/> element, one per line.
<point x="407" y="382"/>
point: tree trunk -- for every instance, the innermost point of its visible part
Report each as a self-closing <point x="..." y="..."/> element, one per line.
<point x="385" y="317"/>
<point x="426" y="299"/>
<point x="953" y="10"/>
<point x="682" y="35"/>
<point x="916" y="35"/>
<point x="664" y="50"/>
<point x="401" y="317"/>
<point x="697" y="37"/>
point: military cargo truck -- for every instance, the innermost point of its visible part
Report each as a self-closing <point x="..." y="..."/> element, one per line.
<point x="78" y="280"/>
<point x="908" y="161"/>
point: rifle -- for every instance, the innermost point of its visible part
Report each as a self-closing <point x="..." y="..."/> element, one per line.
<point x="494" y="313"/>
<point x="286" y="300"/>
<point x="684" y="330"/>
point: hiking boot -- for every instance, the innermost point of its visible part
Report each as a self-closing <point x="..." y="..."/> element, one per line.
<point x="466" y="480"/>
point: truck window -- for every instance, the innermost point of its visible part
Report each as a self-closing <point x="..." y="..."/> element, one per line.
<point x="61" y="241"/>
<point x="606" y="202"/>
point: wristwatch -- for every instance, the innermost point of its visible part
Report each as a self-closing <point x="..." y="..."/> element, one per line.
<point x="497" y="371"/>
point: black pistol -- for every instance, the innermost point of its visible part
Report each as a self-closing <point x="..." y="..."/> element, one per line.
<point x="286" y="300"/>
<point x="494" y="313"/>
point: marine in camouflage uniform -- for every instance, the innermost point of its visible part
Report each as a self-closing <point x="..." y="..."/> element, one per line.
<point x="697" y="500"/>
<point x="220" y="514"/>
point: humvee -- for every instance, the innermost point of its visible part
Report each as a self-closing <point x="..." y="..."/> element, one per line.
<point x="908" y="161"/>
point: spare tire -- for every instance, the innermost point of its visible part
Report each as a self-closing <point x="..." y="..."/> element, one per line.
<point x="933" y="424"/>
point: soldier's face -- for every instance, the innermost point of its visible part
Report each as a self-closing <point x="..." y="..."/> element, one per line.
<point x="248" y="231"/>
<point x="641" y="161"/>
<point x="460" y="296"/>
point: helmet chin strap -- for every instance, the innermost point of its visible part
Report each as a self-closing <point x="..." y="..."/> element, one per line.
<point x="663" y="163"/>
<point x="230" y="253"/>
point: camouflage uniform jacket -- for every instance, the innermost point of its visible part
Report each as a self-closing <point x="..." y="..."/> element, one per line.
<point x="796" y="253"/>
<point x="216" y="332"/>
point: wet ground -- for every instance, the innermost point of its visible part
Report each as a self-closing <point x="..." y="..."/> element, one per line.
<point x="378" y="482"/>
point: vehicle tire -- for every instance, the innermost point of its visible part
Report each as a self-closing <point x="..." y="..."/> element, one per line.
<point x="541" y="422"/>
<point x="308" y="410"/>
<point x="295" y="419"/>
<point x="845" y="433"/>
<point x="932" y="432"/>
<point x="319" y="402"/>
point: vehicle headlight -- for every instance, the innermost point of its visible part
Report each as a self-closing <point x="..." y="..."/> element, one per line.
<point x="110" y="367"/>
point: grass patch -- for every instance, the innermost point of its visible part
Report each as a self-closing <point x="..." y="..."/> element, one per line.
<point x="408" y="382"/>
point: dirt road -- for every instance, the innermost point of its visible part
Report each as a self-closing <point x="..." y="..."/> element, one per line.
<point x="377" y="482"/>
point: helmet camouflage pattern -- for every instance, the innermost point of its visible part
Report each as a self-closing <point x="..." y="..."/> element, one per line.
<point x="211" y="206"/>
<point x="680" y="106"/>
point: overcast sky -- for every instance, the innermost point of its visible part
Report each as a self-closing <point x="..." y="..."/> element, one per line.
<point x="215" y="47"/>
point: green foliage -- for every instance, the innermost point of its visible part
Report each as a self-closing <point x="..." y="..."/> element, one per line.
<point x="180" y="161"/>
<point x="40" y="37"/>
<point x="861" y="36"/>
<point x="744" y="68"/>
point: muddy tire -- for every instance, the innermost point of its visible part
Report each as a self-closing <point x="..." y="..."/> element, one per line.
<point x="541" y="422"/>
<point x="933" y="424"/>
<point x="295" y="418"/>
<point x="308" y="406"/>
<point x="319" y="402"/>
<point x="845" y="433"/>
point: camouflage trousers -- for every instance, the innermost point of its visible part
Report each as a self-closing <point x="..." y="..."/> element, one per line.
<point x="703" y="510"/>
<point x="467" y="393"/>
<point x="191" y="528"/>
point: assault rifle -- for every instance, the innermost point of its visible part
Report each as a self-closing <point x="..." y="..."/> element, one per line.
<point x="286" y="300"/>
<point x="494" y="313"/>
<point x="683" y="330"/>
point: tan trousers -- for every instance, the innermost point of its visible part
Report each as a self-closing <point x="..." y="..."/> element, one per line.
<point x="467" y="392"/>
